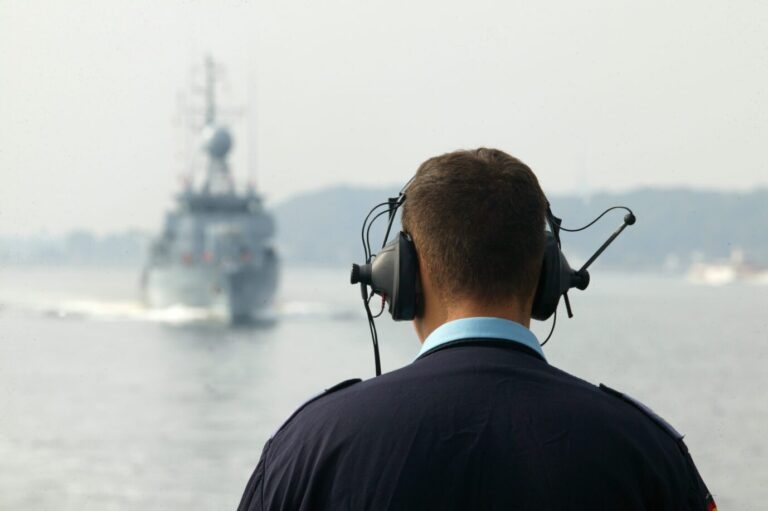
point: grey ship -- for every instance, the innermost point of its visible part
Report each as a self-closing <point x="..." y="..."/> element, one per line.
<point x="216" y="250"/>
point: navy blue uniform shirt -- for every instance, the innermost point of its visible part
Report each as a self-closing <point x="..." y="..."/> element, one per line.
<point x="479" y="421"/>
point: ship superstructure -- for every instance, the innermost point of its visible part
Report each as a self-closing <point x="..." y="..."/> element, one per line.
<point x="216" y="248"/>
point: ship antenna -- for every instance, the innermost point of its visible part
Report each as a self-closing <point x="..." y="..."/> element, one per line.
<point x="210" y="91"/>
<point x="217" y="139"/>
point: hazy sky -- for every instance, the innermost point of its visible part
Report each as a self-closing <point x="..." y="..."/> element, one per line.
<point x="593" y="95"/>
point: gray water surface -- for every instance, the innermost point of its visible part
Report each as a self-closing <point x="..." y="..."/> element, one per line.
<point x="105" y="405"/>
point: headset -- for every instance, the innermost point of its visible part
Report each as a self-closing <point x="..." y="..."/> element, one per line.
<point x="393" y="273"/>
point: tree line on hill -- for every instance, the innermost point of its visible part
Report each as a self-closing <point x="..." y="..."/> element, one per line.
<point x="675" y="227"/>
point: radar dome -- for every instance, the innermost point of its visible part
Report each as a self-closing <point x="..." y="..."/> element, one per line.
<point x="217" y="141"/>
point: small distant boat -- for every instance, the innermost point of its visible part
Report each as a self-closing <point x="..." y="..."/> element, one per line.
<point x="736" y="269"/>
<point x="216" y="249"/>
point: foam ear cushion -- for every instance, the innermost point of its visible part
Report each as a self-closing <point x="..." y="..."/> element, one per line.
<point x="549" y="288"/>
<point x="405" y="307"/>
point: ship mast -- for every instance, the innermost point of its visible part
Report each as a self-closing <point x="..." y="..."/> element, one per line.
<point x="217" y="140"/>
<point x="210" y="91"/>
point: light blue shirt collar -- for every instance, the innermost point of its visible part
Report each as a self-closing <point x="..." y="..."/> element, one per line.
<point x="481" y="328"/>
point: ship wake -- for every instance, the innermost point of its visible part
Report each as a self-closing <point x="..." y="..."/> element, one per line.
<point x="100" y="310"/>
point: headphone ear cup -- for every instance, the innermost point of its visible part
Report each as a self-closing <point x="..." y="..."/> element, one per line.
<point x="548" y="290"/>
<point x="394" y="274"/>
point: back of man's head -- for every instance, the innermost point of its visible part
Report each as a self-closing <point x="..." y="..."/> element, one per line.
<point x="477" y="220"/>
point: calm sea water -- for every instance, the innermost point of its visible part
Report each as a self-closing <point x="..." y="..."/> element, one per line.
<point x="104" y="405"/>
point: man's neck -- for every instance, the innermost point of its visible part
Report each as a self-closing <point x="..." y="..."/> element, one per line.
<point x="433" y="318"/>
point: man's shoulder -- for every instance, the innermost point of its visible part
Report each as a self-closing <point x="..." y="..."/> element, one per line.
<point x="645" y="410"/>
<point x="345" y="396"/>
<point x="620" y="409"/>
<point x="308" y="403"/>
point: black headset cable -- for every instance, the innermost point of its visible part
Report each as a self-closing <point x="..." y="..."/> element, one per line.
<point x="551" y="330"/>
<point x="366" y="247"/>
<point x="590" y="224"/>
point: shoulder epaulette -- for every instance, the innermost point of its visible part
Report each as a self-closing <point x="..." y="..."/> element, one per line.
<point x="666" y="426"/>
<point x="703" y="491"/>
<point x="329" y="390"/>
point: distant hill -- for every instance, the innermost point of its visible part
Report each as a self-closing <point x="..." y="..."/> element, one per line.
<point x="674" y="227"/>
<point x="79" y="247"/>
<point x="324" y="226"/>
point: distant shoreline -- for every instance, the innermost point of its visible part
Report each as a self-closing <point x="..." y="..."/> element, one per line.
<point x="676" y="228"/>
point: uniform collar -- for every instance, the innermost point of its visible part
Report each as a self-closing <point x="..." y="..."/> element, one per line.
<point x="481" y="328"/>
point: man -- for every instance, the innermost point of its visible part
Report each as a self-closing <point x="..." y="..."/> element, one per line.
<point x="480" y="420"/>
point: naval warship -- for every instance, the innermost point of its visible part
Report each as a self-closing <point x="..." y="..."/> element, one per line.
<point x="215" y="250"/>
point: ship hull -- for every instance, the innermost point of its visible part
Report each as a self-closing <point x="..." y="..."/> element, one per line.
<point x="240" y="294"/>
